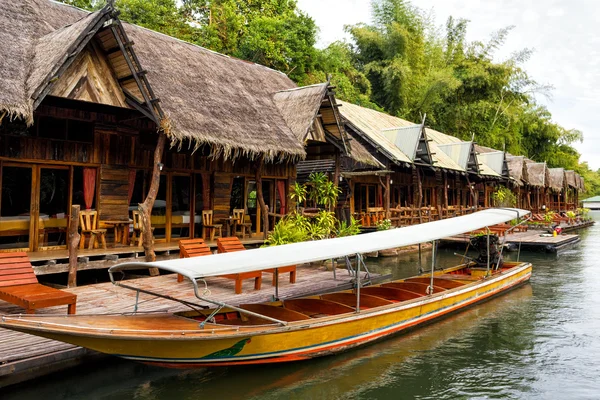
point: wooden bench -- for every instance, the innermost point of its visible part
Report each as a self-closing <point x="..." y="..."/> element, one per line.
<point x="192" y="248"/>
<point x="225" y="245"/>
<point x="19" y="285"/>
<point x="229" y="245"/>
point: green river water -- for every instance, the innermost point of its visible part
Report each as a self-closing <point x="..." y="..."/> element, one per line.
<point x="539" y="341"/>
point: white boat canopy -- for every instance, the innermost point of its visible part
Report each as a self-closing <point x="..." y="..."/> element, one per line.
<point x="305" y="252"/>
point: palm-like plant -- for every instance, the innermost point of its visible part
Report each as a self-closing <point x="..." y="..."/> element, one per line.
<point x="298" y="193"/>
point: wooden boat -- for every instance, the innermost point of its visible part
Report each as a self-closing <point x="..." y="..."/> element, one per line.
<point x="292" y="329"/>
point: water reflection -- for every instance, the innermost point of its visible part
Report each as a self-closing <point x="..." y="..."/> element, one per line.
<point x="541" y="340"/>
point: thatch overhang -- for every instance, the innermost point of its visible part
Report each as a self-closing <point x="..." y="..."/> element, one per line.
<point x="582" y="182"/>
<point x="516" y="166"/>
<point x="537" y="173"/>
<point x="299" y="108"/>
<point x="556" y="179"/>
<point x="570" y="179"/>
<point x="578" y="181"/>
<point x="312" y="115"/>
<point x="210" y="99"/>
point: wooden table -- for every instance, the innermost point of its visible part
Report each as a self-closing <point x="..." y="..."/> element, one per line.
<point x="228" y="222"/>
<point x="121" y="230"/>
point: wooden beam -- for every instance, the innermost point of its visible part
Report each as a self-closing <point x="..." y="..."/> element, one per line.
<point x="73" y="243"/>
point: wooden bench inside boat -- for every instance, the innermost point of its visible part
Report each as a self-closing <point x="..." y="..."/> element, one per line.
<point x="19" y="285"/>
<point x="315" y="308"/>
<point x="273" y="311"/>
<point x="349" y="299"/>
<point x="415" y="287"/>
<point x="444" y="283"/>
<point x="390" y="293"/>
<point x="232" y="244"/>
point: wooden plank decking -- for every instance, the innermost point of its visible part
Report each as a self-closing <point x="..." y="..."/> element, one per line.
<point x="57" y="261"/>
<point x="24" y="356"/>
<point x="531" y="239"/>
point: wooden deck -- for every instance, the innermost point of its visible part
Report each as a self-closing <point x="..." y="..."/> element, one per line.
<point x="24" y="357"/>
<point x="57" y="261"/>
<point x="530" y="240"/>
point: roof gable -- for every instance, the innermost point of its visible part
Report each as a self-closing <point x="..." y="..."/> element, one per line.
<point x="556" y="178"/>
<point x="412" y="141"/>
<point x="463" y="154"/>
<point x="299" y="107"/>
<point x="536" y="174"/>
<point x="496" y="160"/>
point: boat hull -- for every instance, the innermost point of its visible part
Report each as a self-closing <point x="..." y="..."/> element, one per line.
<point x="181" y="344"/>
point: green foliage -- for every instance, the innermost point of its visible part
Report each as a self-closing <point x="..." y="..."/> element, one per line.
<point x="504" y="197"/>
<point x="384" y="225"/>
<point x="571" y="214"/>
<point x="286" y="231"/>
<point x="298" y="193"/>
<point x="345" y="229"/>
<point x="549" y="216"/>
<point x="321" y="190"/>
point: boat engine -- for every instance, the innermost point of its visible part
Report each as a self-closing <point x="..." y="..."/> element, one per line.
<point x="480" y="244"/>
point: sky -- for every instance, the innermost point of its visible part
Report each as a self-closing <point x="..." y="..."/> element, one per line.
<point x="565" y="37"/>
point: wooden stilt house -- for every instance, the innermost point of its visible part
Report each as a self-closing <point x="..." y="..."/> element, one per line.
<point x="85" y="98"/>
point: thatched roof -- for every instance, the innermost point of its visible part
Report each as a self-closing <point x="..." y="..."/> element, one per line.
<point x="556" y="179"/>
<point x="516" y="166"/>
<point x="211" y="99"/>
<point x="536" y="173"/>
<point x="582" y="183"/>
<point x="570" y="178"/>
<point x="299" y="107"/>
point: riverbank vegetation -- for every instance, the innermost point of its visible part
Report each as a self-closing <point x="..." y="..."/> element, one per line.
<point x="401" y="63"/>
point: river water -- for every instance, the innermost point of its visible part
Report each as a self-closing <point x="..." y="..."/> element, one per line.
<point x="540" y="341"/>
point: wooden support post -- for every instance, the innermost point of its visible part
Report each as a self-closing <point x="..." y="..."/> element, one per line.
<point x="473" y="198"/>
<point x="146" y="206"/>
<point x="261" y="199"/>
<point x="446" y="190"/>
<point x="387" y="196"/>
<point x="73" y="242"/>
<point x="420" y="195"/>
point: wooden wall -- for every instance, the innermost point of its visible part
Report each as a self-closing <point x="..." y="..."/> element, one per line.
<point x="113" y="199"/>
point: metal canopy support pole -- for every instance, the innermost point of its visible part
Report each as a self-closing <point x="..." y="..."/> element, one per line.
<point x="334" y="267"/>
<point x="276" y="284"/>
<point x="358" y="261"/>
<point x="487" y="273"/>
<point x="433" y="248"/>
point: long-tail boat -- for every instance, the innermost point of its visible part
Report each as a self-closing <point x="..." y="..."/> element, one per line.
<point x="292" y="329"/>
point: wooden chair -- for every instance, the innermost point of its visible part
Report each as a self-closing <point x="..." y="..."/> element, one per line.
<point x="207" y="222"/>
<point x="238" y="215"/>
<point x="227" y="245"/>
<point x="19" y="285"/>
<point x="136" y="235"/>
<point x="88" y="220"/>
<point x="192" y="248"/>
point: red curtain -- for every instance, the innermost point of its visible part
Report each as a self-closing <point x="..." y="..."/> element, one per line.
<point x="131" y="184"/>
<point x="89" y="186"/>
<point x="379" y="196"/>
<point x="206" y="190"/>
<point x="281" y="192"/>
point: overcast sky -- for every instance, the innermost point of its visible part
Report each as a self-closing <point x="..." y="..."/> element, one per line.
<point x="565" y="36"/>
